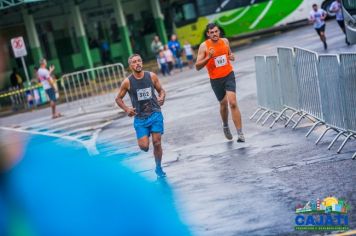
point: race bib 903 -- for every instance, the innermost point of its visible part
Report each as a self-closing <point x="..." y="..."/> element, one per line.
<point x="220" y="61"/>
<point x="144" y="94"/>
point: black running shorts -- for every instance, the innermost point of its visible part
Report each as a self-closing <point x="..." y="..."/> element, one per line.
<point x="220" y="86"/>
<point x="341" y="24"/>
<point x="321" y="29"/>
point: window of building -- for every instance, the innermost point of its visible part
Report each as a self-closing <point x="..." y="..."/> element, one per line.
<point x="185" y="13"/>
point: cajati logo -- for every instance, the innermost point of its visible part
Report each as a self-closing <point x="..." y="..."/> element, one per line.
<point x="327" y="214"/>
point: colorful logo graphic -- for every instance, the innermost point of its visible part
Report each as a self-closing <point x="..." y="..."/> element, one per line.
<point x="327" y="214"/>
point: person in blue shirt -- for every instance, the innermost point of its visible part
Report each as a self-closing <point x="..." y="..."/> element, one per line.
<point x="174" y="46"/>
<point x="105" y="52"/>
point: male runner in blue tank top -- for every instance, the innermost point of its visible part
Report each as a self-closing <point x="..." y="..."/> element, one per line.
<point x="146" y="107"/>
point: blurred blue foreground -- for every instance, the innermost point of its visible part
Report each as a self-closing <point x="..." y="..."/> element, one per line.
<point x="58" y="189"/>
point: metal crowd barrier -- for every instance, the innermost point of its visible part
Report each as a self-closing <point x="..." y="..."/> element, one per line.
<point x="80" y="88"/>
<point x="260" y="62"/>
<point x="274" y="102"/>
<point x="348" y="84"/>
<point x="268" y="87"/>
<point x="20" y="98"/>
<point x="320" y="88"/>
<point x="309" y="93"/>
<point x="92" y="85"/>
<point x="288" y="84"/>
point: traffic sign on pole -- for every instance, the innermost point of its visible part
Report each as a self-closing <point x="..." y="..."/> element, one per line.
<point x="18" y="47"/>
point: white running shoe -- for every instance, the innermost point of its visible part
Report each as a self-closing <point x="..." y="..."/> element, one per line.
<point x="240" y="138"/>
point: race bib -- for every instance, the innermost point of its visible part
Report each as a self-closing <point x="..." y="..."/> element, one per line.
<point x="144" y="94"/>
<point x="220" y="61"/>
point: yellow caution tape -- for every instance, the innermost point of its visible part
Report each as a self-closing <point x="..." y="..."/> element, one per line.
<point x="19" y="91"/>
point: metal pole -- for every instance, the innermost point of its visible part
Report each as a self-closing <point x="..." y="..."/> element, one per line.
<point x="25" y="69"/>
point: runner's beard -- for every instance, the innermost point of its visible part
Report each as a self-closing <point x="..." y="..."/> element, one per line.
<point x="138" y="69"/>
<point x="215" y="38"/>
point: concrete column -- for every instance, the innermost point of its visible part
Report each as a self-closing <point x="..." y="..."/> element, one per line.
<point x="32" y="35"/>
<point x="81" y="37"/>
<point x="124" y="32"/>
<point x="159" y="20"/>
<point x="52" y="45"/>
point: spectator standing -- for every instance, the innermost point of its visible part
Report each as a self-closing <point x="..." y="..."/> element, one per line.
<point x="156" y="45"/>
<point x="174" y="46"/>
<point x="15" y="79"/>
<point x="189" y="53"/>
<point x="47" y="82"/>
<point x="162" y="61"/>
<point x="169" y="56"/>
<point x="105" y="52"/>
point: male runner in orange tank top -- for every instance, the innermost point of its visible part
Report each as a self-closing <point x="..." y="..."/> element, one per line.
<point x="215" y="54"/>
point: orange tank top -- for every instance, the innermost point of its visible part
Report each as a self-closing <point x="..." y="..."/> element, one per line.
<point x="219" y="65"/>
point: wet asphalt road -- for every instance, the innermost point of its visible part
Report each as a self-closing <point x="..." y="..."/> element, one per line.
<point x="227" y="188"/>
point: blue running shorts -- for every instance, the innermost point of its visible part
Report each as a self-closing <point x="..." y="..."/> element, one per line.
<point x="151" y="124"/>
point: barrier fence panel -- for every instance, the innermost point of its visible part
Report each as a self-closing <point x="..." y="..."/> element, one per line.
<point x="307" y="77"/>
<point x="260" y="64"/>
<point x="348" y="80"/>
<point x="289" y="84"/>
<point x="348" y="85"/>
<point x="274" y="84"/>
<point x="323" y="88"/>
<point x="20" y="98"/>
<point x="332" y="101"/>
<point x="93" y="83"/>
<point x="330" y="91"/>
<point x="260" y="80"/>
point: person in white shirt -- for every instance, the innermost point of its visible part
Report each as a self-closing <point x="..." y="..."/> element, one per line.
<point x="169" y="56"/>
<point x="335" y="7"/>
<point x="162" y="60"/>
<point x="44" y="75"/>
<point x="317" y="17"/>
<point x="189" y="53"/>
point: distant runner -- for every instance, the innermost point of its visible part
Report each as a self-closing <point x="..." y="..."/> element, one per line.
<point x="146" y="110"/>
<point x="336" y="8"/>
<point x="215" y="54"/>
<point x="317" y="17"/>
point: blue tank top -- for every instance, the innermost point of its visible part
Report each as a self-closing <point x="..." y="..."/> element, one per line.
<point x="142" y="95"/>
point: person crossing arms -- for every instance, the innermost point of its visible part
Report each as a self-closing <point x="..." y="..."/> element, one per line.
<point x="146" y="107"/>
<point x="215" y="54"/>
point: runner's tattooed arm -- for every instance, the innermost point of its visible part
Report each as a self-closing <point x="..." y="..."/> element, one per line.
<point x="202" y="58"/>
<point x="119" y="98"/>
<point x="159" y="89"/>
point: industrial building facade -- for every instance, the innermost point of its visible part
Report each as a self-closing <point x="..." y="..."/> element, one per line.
<point x="81" y="34"/>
